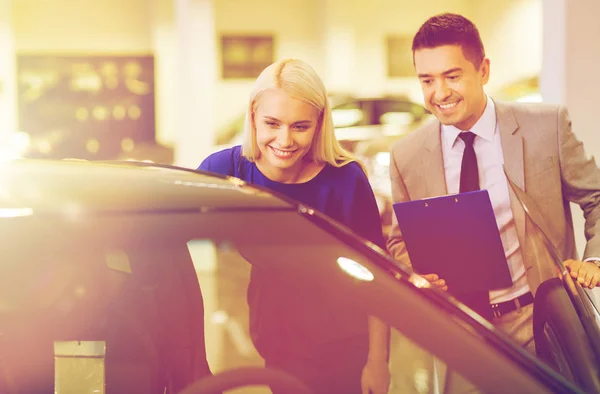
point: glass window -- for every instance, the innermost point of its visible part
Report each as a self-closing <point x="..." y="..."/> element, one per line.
<point x="224" y="282"/>
<point x="154" y="291"/>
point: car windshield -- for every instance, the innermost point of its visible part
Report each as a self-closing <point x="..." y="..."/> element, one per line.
<point x="110" y="285"/>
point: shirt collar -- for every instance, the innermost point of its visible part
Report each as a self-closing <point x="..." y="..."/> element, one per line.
<point x="485" y="127"/>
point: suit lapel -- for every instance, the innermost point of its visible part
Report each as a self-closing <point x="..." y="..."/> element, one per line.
<point x="512" y="150"/>
<point x="512" y="144"/>
<point x="433" y="175"/>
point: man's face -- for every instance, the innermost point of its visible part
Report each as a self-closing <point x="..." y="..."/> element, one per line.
<point x="452" y="86"/>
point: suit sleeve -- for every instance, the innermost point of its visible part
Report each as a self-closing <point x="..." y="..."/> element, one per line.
<point x="580" y="181"/>
<point x="395" y="242"/>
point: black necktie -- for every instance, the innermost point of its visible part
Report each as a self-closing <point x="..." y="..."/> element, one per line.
<point x="469" y="173"/>
<point x="479" y="301"/>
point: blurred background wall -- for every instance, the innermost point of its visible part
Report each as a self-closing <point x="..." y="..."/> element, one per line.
<point x="343" y="39"/>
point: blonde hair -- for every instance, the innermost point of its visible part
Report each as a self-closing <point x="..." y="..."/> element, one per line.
<point x="300" y="81"/>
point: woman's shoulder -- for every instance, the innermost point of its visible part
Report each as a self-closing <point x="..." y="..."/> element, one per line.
<point x="347" y="176"/>
<point x="223" y="161"/>
<point x="350" y="170"/>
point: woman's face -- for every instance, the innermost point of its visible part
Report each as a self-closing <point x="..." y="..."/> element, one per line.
<point x="285" y="128"/>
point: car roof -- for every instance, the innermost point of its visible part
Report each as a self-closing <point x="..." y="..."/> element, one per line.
<point x="60" y="186"/>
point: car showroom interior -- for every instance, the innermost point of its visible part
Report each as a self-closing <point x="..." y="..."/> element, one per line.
<point x="130" y="265"/>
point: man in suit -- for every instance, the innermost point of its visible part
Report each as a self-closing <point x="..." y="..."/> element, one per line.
<point x="476" y="139"/>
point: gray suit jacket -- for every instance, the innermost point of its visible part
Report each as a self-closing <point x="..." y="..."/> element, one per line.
<point x="542" y="157"/>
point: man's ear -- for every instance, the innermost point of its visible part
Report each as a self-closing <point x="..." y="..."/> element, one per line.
<point x="484" y="69"/>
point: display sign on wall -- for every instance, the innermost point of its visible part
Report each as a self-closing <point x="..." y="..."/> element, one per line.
<point x="89" y="107"/>
<point x="245" y="56"/>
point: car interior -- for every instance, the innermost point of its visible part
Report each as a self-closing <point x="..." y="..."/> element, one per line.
<point x="143" y="308"/>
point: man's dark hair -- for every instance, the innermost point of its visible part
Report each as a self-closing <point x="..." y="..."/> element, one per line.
<point x="451" y="29"/>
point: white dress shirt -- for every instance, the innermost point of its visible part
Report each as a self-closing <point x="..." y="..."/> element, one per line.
<point x="490" y="161"/>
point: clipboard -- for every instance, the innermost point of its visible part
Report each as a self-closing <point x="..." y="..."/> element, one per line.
<point x="457" y="237"/>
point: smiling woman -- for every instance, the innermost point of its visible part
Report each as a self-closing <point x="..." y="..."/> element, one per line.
<point x="290" y="147"/>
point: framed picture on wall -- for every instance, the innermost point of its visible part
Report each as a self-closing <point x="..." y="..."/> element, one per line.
<point x="399" y="57"/>
<point x="245" y="56"/>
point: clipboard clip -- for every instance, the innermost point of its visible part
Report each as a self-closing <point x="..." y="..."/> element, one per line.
<point x="427" y="204"/>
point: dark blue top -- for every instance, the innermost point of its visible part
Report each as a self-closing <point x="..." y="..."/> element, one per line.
<point x="286" y="319"/>
<point x="343" y="193"/>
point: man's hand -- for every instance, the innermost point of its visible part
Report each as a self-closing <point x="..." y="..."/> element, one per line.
<point x="435" y="280"/>
<point x="585" y="272"/>
<point x="375" y="377"/>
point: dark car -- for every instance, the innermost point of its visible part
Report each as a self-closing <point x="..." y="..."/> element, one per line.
<point x="132" y="277"/>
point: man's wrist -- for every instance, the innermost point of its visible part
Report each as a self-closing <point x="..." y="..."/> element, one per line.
<point x="593" y="260"/>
